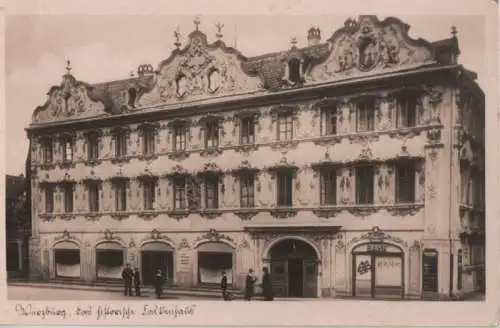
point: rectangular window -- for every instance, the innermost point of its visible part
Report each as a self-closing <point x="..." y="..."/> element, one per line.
<point x="120" y="195"/>
<point x="67" y="151"/>
<point x="68" y="198"/>
<point x="180" y="138"/>
<point x="405" y="183"/>
<point x="212" y="135"/>
<point x="364" y="184"/>
<point x="149" y="188"/>
<point x="247" y="190"/>
<point x="285" y="127"/>
<point x="180" y="193"/>
<point x="93" y="148"/>
<point x="121" y="144"/>
<point x="285" y="188"/>
<point x="48" y="152"/>
<point x="365" y="115"/>
<point x="247" y="131"/>
<point x="49" y="199"/>
<point x="406" y="111"/>
<point x="94" y="188"/>
<point x="212" y="191"/>
<point x="328" y="187"/>
<point x="148" y="142"/>
<point x="330" y="116"/>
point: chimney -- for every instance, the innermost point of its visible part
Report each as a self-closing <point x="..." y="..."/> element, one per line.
<point x="314" y="36"/>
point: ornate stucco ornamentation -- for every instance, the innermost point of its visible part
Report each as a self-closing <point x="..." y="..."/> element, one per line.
<point x="434" y="136"/>
<point x="244" y="244"/>
<point x="183" y="244"/>
<point x="433" y="96"/>
<point x="363" y="211"/>
<point x="214" y="236"/>
<point x="369" y="46"/>
<point x="72" y="99"/>
<point x="327" y="212"/>
<point x="378" y="235"/>
<point x="405" y="210"/>
<point x="200" y="71"/>
<point x="283" y="212"/>
<point x="156" y="235"/>
<point x="67" y="236"/>
<point x="246" y="214"/>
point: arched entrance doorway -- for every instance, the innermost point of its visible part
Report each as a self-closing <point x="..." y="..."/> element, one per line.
<point x="213" y="259"/>
<point x="378" y="271"/>
<point x="154" y="256"/>
<point x="67" y="260"/>
<point x="110" y="260"/>
<point x="294" y="268"/>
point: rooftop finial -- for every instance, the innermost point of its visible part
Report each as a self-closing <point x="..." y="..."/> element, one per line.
<point x="454" y="31"/>
<point x="177" y="35"/>
<point x="68" y="67"/>
<point x="219" y="30"/>
<point x="197" y="22"/>
<point x="131" y="73"/>
<point x="293" y="42"/>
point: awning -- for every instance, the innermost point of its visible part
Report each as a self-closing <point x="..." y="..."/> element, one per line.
<point x="215" y="247"/>
<point x="65" y="245"/>
<point x="110" y="246"/>
<point x="157" y="246"/>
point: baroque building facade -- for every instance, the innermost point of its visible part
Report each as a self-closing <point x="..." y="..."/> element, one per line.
<point x="351" y="167"/>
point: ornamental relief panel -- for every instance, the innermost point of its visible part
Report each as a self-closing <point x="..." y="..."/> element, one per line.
<point x="346" y="186"/>
<point x="70" y="100"/>
<point x="385" y="184"/>
<point x="346" y="117"/>
<point x="384" y="113"/>
<point x="200" y="71"/>
<point x="369" y="46"/>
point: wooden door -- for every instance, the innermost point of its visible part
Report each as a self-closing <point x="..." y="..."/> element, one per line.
<point x="310" y="278"/>
<point x="279" y="278"/>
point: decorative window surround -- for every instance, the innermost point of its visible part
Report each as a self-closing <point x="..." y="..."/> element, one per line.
<point x="355" y="137"/>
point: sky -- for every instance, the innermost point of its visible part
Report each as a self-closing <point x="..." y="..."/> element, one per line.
<point x="103" y="48"/>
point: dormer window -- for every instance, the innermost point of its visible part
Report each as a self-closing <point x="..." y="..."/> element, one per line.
<point x="132" y="95"/>
<point x="181" y="85"/>
<point x="294" y="70"/>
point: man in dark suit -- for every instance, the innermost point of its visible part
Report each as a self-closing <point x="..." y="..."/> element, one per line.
<point x="137" y="282"/>
<point x="127" y="275"/>
<point x="249" y="285"/>
<point x="223" y="286"/>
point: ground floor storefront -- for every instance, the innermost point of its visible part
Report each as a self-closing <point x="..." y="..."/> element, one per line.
<point x="303" y="262"/>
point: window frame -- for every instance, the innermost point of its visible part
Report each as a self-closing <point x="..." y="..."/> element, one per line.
<point x="67" y="147"/>
<point x="69" y="203"/>
<point x="148" y="194"/>
<point x="403" y="104"/>
<point x="121" y="144"/>
<point x="180" y="137"/>
<point x="330" y="119"/>
<point x="212" y="187"/>
<point x="365" y="109"/>
<point x="94" y="187"/>
<point x="247" y="130"/>
<point x="93" y="144"/>
<point x="247" y="190"/>
<point x="286" y="120"/>
<point x="148" y="141"/>
<point x="48" y="152"/>
<point x="405" y="195"/>
<point x="49" y="198"/>
<point x="284" y="179"/>
<point x="212" y="131"/>
<point x="120" y="189"/>
<point x="363" y="194"/>
<point x="328" y="187"/>
<point x="179" y="193"/>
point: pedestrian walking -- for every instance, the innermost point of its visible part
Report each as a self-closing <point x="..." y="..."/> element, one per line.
<point x="223" y="287"/>
<point x="249" y="285"/>
<point x="267" y="287"/>
<point x="127" y="275"/>
<point x="159" y="283"/>
<point x="137" y="282"/>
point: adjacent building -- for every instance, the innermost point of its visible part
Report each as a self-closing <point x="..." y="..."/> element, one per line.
<point x="351" y="167"/>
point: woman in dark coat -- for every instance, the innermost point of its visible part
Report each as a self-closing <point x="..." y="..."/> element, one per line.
<point x="249" y="285"/>
<point x="267" y="287"/>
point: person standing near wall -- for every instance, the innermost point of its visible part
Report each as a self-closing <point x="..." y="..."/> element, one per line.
<point x="137" y="282"/>
<point x="127" y="275"/>
<point x="267" y="287"/>
<point x="249" y="285"/>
